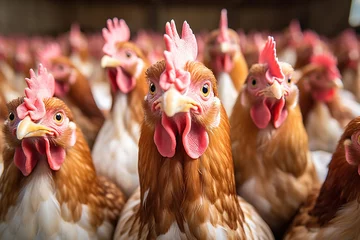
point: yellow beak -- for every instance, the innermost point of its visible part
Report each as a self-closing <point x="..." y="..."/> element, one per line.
<point x="224" y="47"/>
<point x="276" y="90"/>
<point x="173" y="102"/>
<point x="28" y="128"/>
<point x="107" y="61"/>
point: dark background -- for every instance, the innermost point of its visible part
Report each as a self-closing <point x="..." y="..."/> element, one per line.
<point x="326" y="17"/>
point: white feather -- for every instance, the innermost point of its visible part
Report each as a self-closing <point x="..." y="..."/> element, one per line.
<point x="38" y="215"/>
<point x="323" y="130"/>
<point x="321" y="161"/>
<point x="227" y="92"/>
<point x="115" y="151"/>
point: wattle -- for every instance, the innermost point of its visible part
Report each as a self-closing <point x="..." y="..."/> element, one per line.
<point x="264" y="111"/>
<point x="194" y="137"/>
<point x="27" y="156"/>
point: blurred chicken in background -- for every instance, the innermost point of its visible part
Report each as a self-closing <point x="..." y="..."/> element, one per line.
<point x="222" y="54"/>
<point x="115" y="152"/>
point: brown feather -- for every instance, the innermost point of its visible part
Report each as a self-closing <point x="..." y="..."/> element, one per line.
<point x="76" y="182"/>
<point x="277" y="159"/>
<point x="341" y="188"/>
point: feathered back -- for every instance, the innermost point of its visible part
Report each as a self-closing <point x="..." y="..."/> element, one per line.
<point x="178" y="52"/>
<point x="268" y="56"/>
<point x="116" y="31"/>
<point x="223" y="27"/>
<point x="329" y="62"/>
<point x="40" y="86"/>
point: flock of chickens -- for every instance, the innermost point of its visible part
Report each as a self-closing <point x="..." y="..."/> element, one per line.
<point x="218" y="135"/>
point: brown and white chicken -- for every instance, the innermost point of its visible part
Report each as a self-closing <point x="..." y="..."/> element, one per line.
<point x="273" y="166"/>
<point x="49" y="188"/>
<point x="222" y="54"/>
<point x="74" y="88"/>
<point x="325" y="112"/>
<point x="333" y="211"/>
<point x="187" y="186"/>
<point x="115" y="152"/>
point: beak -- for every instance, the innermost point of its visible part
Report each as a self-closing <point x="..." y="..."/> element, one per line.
<point x="107" y="61"/>
<point x="224" y="47"/>
<point x="276" y="90"/>
<point x="173" y="102"/>
<point x="336" y="83"/>
<point x="28" y="128"/>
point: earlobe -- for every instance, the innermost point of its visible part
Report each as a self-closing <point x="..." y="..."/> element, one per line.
<point x="72" y="141"/>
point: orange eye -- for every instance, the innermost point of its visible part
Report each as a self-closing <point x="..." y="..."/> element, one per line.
<point x="58" y="117"/>
<point x="205" y="90"/>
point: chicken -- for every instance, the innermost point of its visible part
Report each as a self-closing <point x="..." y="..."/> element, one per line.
<point x="251" y="46"/>
<point x="80" y="51"/>
<point x="346" y="49"/>
<point x="324" y="112"/>
<point x="273" y="166"/>
<point x="49" y="188"/>
<point x="115" y="152"/>
<point x="74" y="89"/>
<point x="309" y="45"/>
<point x="287" y="42"/>
<point x="223" y="56"/>
<point x="187" y="187"/>
<point x="332" y="212"/>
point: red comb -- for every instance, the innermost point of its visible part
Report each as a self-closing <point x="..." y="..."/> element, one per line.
<point x="116" y="31"/>
<point x="39" y="87"/>
<point x="49" y="52"/>
<point x="178" y="52"/>
<point x="268" y="56"/>
<point x="224" y="34"/>
<point x="329" y="62"/>
<point x="310" y="38"/>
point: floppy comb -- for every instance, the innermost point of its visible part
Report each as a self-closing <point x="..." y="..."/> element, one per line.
<point x="116" y="31"/>
<point x="40" y="87"/>
<point x="49" y="52"/>
<point x="223" y="27"/>
<point x="178" y="52"/>
<point x="268" y="56"/>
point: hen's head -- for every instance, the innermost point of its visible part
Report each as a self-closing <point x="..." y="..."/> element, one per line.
<point x="346" y="49"/>
<point x="267" y="88"/>
<point x="222" y="46"/>
<point x="123" y="60"/>
<point x="182" y="102"/>
<point x="322" y="77"/>
<point x="351" y="143"/>
<point x="39" y="125"/>
<point x="59" y="66"/>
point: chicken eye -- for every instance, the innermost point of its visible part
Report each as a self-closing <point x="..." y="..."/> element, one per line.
<point x="205" y="90"/>
<point x="289" y="80"/>
<point x="60" y="67"/>
<point x="58" y="117"/>
<point x="128" y="54"/>
<point x="152" y="88"/>
<point x="11" y="116"/>
<point x="253" y="82"/>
